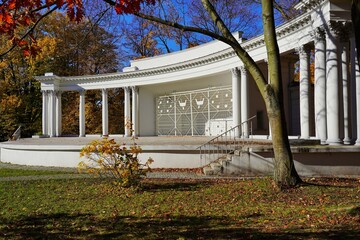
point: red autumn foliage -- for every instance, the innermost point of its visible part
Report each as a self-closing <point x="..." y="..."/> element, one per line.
<point x="23" y="14"/>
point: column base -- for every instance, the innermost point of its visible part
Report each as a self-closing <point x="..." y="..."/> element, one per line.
<point x="357" y="143"/>
<point x="82" y="135"/>
<point x="347" y="141"/>
<point x="323" y="142"/>
<point x="334" y="141"/>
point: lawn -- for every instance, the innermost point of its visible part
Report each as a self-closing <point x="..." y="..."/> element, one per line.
<point x="179" y="209"/>
<point x="13" y="172"/>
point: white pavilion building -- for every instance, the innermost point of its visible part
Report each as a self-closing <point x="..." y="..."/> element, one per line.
<point x="206" y="90"/>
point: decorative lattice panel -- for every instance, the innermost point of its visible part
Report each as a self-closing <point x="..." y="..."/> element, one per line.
<point x="195" y="112"/>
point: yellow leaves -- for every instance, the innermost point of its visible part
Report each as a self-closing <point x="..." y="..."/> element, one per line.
<point x="10" y="102"/>
<point x="107" y="158"/>
<point x="47" y="45"/>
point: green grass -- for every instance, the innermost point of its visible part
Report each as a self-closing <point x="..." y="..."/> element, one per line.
<point x="179" y="209"/>
<point x="9" y="172"/>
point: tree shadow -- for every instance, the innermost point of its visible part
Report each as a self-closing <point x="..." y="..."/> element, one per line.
<point x="87" y="226"/>
<point x="178" y="185"/>
<point x="330" y="182"/>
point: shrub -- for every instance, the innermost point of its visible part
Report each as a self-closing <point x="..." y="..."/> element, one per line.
<point x="106" y="158"/>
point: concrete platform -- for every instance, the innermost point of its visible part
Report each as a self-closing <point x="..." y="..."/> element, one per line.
<point x="182" y="152"/>
<point x="168" y="152"/>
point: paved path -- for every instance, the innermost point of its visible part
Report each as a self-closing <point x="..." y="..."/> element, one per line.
<point x="70" y="173"/>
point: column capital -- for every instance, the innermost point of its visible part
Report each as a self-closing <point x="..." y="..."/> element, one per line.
<point x="243" y="70"/>
<point x="58" y="92"/>
<point x="104" y="90"/>
<point x="303" y="51"/>
<point x="135" y="89"/>
<point x="127" y="89"/>
<point x="318" y="34"/>
<point x="235" y="71"/>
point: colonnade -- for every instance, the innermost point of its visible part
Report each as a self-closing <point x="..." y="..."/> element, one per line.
<point x="336" y="108"/>
<point x="240" y="101"/>
<point x="52" y="112"/>
<point x="333" y="80"/>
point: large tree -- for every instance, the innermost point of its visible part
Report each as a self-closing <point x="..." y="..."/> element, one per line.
<point x="65" y="48"/>
<point x="285" y="173"/>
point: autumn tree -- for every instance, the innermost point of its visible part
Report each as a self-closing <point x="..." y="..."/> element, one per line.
<point x="82" y="48"/>
<point x="65" y="48"/>
<point x="19" y="92"/>
<point x="140" y="39"/>
<point x="284" y="170"/>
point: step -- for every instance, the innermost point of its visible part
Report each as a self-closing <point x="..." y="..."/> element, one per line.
<point x="216" y="167"/>
<point x="208" y="171"/>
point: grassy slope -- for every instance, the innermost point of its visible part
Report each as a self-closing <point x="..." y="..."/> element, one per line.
<point x="9" y="172"/>
<point x="179" y="209"/>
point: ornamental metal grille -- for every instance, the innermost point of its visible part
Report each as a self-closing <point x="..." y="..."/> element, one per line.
<point x="199" y="112"/>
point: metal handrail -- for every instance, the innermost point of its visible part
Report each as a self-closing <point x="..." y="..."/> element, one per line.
<point x="220" y="150"/>
<point x="224" y="133"/>
<point x="16" y="135"/>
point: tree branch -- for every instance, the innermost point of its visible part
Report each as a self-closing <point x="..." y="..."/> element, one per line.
<point x="183" y="27"/>
<point x="29" y="31"/>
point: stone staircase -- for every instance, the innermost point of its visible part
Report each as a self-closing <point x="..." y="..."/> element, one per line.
<point x="217" y="167"/>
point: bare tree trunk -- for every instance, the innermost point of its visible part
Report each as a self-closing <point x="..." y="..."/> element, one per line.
<point x="284" y="170"/>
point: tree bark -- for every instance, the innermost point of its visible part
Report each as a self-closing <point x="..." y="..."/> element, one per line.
<point x="284" y="170"/>
<point x="285" y="174"/>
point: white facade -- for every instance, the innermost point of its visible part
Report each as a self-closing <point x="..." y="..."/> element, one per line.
<point x="325" y="109"/>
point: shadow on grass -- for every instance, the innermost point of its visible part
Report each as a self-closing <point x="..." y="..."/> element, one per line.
<point x="86" y="226"/>
<point x="173" y="185"/>
<point x="330" y="182"/>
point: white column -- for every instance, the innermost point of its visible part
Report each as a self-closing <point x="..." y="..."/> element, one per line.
<point x="345" y="87"/>
<point x="355" y="72"/>
<point x="52" y="114"/>
<point x="357" y="79"/>
<point x="320" y="86"/>
<point x="304" y="92"/>
<point x="135" y="111"/>
<point x="332" y="89"/>
<point x="82" y="114"/>
<point x="244" y="102"/>
<point x="353" y="88"/>
<point x="127" y="116"/>
<point x="236" y="90"/>
<point x="105" y="113"/>
<point x="44" y="113"/>
<point x="58" y="113"/>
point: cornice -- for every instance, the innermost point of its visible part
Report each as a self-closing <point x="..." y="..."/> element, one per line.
<point x="257" y="42"/>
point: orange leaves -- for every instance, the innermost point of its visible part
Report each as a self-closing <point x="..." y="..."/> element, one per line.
<point x="130" y="6"/>
<point x="22" y="15"/>
<point x="109" y="159"/>
<point x="75" y="9"/>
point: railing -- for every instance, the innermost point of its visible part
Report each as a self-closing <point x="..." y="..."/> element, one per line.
<point x="16" y="135"/>
<point x="227" y="142"/>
